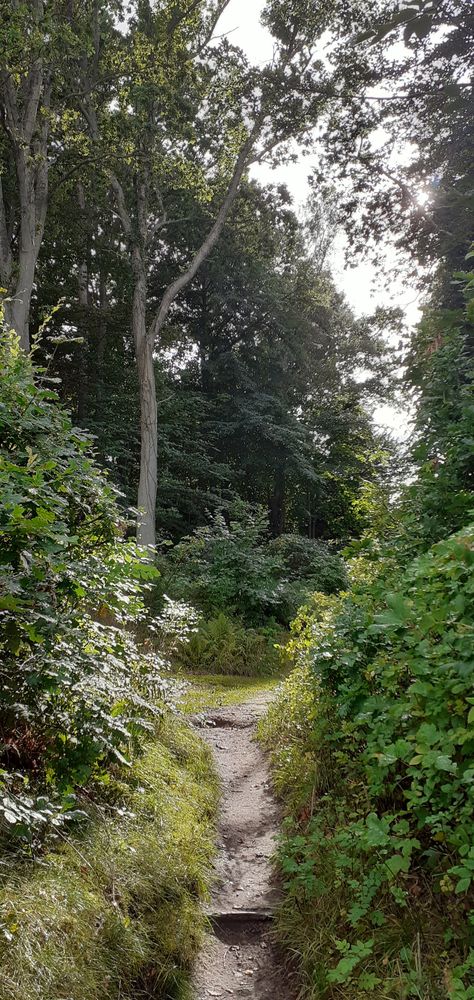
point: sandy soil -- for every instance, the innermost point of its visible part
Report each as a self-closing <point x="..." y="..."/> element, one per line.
<point x="240" y="958"/>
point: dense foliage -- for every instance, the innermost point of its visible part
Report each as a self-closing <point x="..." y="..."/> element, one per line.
<point x="441" y="371"/>
<point x="232" y="565"/>
<point x="264" y="387"/>
<point x="381" y="711"/>
<point x="185" y="315"/>
<point x="74" y="687"/>
<point x="388" y="715"/>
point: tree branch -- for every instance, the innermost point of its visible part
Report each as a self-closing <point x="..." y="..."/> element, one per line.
<point x="123" y="212"/>
<point x="215" y="18"/>
<point x="11" y="118"/>
<point x="32" y="101"/>
<point x="209" y="243"/>
<point x="411" y="197"/>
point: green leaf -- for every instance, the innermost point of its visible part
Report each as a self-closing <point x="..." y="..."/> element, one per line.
<point x="463" y="885"/>
<point x="397" y="864"/>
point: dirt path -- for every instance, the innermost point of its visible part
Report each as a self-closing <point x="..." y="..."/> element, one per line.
<point x="239" y="958"/>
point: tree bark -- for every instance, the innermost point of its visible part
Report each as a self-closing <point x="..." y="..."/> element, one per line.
<point x="147" y="488"/>
<point x="101" y="342"/>
<point x="144" y="349"/>
<point x="33" y="190"/>
<point x="28" y="134"/>
<point x="145" y="339"/>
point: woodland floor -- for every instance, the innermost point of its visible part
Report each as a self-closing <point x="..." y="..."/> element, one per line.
<point x="240" y="958"/>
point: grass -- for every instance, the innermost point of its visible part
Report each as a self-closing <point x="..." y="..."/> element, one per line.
<point x="216" y="690"/>
<point x="115" y="913"/>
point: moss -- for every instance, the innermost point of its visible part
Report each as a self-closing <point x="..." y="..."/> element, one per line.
<point x="116" y="913"/>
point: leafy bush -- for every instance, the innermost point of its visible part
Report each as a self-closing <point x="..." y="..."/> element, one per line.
<point x="74" y="687"/>
<point x="387" y="743"/>
<point x="226" y="566"/>
<point x="309" y="561"/>
<point x="222" y="645"/>
<point x="233" y="566"/>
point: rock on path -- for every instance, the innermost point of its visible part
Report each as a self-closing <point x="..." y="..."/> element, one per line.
<point x="240" y="958"/>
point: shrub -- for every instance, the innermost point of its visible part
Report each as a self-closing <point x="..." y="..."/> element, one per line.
<point x="234" y="567"/>
<point x="387" y="750"/>
<point x="226" y="566"/>
<point x="311" y="562"/>
<point x="74" y="687"/>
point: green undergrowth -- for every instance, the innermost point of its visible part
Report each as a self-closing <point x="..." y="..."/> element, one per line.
<point x="395" y="952"/>
<point x="218" y="690"/>
<point x="372" y="742"/>
<point x="115" y="913"/>
<point x="223" y="645"/>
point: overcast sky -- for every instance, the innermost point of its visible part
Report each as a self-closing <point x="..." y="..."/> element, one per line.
<point x="360" y="283"/>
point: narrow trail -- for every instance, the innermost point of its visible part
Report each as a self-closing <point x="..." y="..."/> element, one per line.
<point x="240" y="958"/>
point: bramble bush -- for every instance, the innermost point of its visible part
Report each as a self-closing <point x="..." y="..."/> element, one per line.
<point x="74" y="688"/>
<point x="373" y="734"/>
<point x="387" y="747"/>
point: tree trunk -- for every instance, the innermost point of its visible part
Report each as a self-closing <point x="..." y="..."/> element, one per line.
<point x="145" y="339"/>
<point x="101" y="343"/>
<point x="29" y="136"/>
<point x="147" y="489"/>
<point x="20" y="306"/>
<point x="33" y="192"/>
<point x="84" y="311"/>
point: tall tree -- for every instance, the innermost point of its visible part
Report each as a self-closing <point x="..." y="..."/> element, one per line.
<point x="27" y="61"/>
<point x="37" y="41"/>
<point x="187" y="104"/>
<point x="287" y="372"/>
<point x="264" y="381"/>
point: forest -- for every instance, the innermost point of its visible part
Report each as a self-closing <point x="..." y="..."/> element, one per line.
<point x="219" y="563"/>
